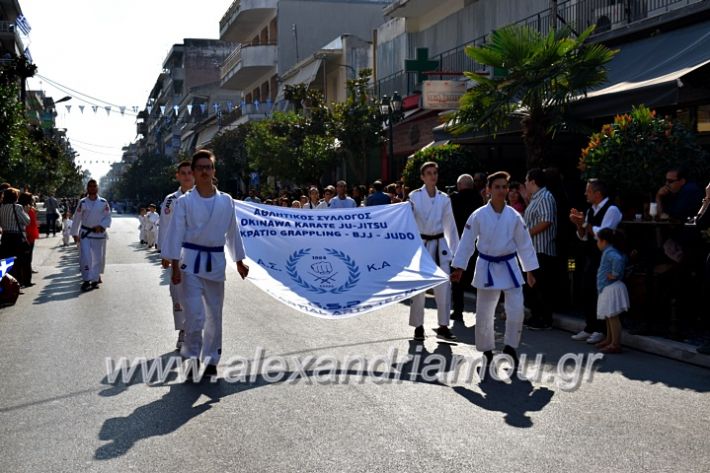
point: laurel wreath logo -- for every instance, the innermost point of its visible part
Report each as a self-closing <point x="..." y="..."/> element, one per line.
<point x="353" y="271"/>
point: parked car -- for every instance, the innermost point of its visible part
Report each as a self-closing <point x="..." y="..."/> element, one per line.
<point x="42" y="219"/>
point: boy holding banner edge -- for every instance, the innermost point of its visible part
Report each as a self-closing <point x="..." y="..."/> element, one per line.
<point x="437" y="226"/>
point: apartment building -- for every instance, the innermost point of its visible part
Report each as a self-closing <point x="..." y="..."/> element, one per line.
<point x="12" y="37"/>
<point x="274" y="35"/>
<point x="190" y="65"/>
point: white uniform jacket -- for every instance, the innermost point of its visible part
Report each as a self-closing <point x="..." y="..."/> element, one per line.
<point x="166" y="213"/>
<point x="208" y="223"/>
<point x="435" y="217"/>
<point x="91" y="213"/>
<point x="497" y="236"/>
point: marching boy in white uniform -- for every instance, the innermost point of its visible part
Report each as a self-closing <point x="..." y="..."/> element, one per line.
<point x="500" y="234"/>
<point x="435" y="220"/>
<point x="152" y="218"/>
<point x="184" y="177"/>
<point x="91" y="219"/>
<point x="203" y="223"/>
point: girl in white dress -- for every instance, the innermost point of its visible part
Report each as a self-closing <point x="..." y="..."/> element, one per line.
<point x="613" y="296"/>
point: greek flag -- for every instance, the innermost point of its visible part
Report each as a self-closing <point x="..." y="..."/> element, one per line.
<point x="24" y="25"/>
<point x="28" y="56"/>
<point x="5" y="265"/>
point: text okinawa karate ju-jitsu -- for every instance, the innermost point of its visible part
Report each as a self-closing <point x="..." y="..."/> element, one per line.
<point x="91" y="219"/>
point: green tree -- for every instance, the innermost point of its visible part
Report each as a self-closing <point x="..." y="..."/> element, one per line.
<point x="453" y="160"/>
<point x="539" y="76"/>
<point x="358" y="125"/>
<point x="148" y="180"/>
<point x="232" y="158"/>
<point x="635" y="151"/>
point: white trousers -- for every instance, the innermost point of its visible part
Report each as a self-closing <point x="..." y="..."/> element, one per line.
<point x="486" y="302"/>
<point x="442" y="296"/>
<point x="92" y="258"/>
<point x="178" y="311"/>
<point x="151" y="237"/>
<point x="202" y="305"/>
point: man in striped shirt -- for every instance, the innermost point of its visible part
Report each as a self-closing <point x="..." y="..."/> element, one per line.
<point x="541" y="221"/>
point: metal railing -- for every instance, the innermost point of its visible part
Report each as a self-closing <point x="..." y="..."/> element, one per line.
<point x="230" y="11"/>
<point x="231" y="61"/>
<point x="575" y="14"/>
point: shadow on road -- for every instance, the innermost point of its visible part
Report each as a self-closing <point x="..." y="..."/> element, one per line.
<point x="176" y="408"/>
<point x="66" y="283"/>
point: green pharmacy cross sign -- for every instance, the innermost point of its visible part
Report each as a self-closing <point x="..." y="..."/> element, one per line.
<point x="421" y="64"/>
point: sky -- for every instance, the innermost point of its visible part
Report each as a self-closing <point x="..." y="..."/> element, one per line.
<point x="112" y="51"/>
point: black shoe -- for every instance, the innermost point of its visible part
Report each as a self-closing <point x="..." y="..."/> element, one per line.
<point x="86" y="286"/>
<point x="95" y="285"/>
<point x="482" y="369"/>
<point x="444" y="333"/>
<point x="535" y="324"/>
<point x="210" y="370"/>
<point x="510" y="351"/>
<point x="419" y="334"/>
<point x="457" y="316"/>
<point x="180" y="340"/>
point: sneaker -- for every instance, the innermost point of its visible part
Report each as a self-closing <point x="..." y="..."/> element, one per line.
<point x="180" y="340"/>
<point x="210" y="370"/>
<point x="419" y="333"/>
<point x="94" y="285"/>
<point x="596" y="337"/>
<point x="483" y="368"/>
<point x="86" y="286"/>
<point x="444" y="333"/>
<point x="582" y="336"/>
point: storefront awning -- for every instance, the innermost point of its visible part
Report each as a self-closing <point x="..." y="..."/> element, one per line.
<point x="304" y="75"/>
<point x="651" y="71"/>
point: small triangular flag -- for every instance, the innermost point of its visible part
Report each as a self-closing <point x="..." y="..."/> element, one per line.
<point x="68" y="108"/>
<point x="81" y="107"/>
<point x="162" y="109"/>
<point x="122" y="110"/>
<point x="94" y="108"/>
<point x="150" y="109"/>
<point x="177" y="109"/>
<point x="230" y="106"/>
<point x="108" y="110"/>
<point x="189" y="109"/>
<point x="203" y="107"/>
<point x="135" y="109"/>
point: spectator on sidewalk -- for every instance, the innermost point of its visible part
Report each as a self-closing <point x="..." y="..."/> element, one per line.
<point x="31" y="234"/>
<point x="14" y="221"/>
<point x="541" y="221"/>
<point x="378" y="197"/>
<point x="613" y="297"/>
<point x="51" y="205"/>
<point x="601" y="214"/>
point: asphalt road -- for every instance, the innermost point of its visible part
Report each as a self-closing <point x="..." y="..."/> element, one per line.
<point x="59" y="412"/>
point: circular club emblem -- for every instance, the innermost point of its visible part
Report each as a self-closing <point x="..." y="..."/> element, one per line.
<point x="323" y="271"/>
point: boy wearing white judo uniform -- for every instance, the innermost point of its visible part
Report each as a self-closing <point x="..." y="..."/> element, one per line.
<point x="500" y="234"/>
<point x="203" y="223"/>
<point x="184" y="177"/>
<point x="151" y="219"/>
<point x="437" y="226"/>
<point x="91" y="219"/>
<point x="66" y="228"/>
<point x="142" y="226"/>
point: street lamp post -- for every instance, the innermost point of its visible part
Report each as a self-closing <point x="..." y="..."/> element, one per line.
<point x="391" y="109"/>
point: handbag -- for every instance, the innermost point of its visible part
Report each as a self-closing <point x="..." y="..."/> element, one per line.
<point x="24" y="247"/>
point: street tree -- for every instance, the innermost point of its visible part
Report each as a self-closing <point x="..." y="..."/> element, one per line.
<point x="535" y="78"/>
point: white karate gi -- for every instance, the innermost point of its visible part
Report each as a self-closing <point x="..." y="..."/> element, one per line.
<point x="208" y="223"/>
<point x="92" y="247"/>
<point x="497" y="235"/>
<point x="142" y="228"/>
<point x="151" y="223"/>
<point x="166" y="213"/>
<point x="434" y="217"/>
<point x="66" y="231"/>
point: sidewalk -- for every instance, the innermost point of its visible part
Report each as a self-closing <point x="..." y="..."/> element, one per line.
<point x="656" y="345"/>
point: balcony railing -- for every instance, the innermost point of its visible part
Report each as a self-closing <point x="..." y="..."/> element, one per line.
<point x="232" y="60"/>
<point x="576" y="14"/>
<point x="227" y="16"/>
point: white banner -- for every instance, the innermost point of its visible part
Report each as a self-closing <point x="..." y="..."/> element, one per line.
<point x="336" y="263"/>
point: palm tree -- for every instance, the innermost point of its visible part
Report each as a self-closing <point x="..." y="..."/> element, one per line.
<point x="539" y="76"/>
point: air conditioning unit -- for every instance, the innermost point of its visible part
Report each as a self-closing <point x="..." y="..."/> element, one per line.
<point x="609" y="17"/>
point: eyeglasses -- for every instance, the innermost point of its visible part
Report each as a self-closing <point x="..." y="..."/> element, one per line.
<point x="204" y="167"/>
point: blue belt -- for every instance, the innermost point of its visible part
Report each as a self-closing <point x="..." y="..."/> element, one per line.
<point x="499" y="259"/>
<point x="207" y="249"/>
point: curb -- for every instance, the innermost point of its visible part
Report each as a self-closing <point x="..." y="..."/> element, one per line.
<point x="679" y="351"/>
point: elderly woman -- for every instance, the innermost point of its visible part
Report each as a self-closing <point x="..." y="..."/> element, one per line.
<point x="14" y="221"/>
